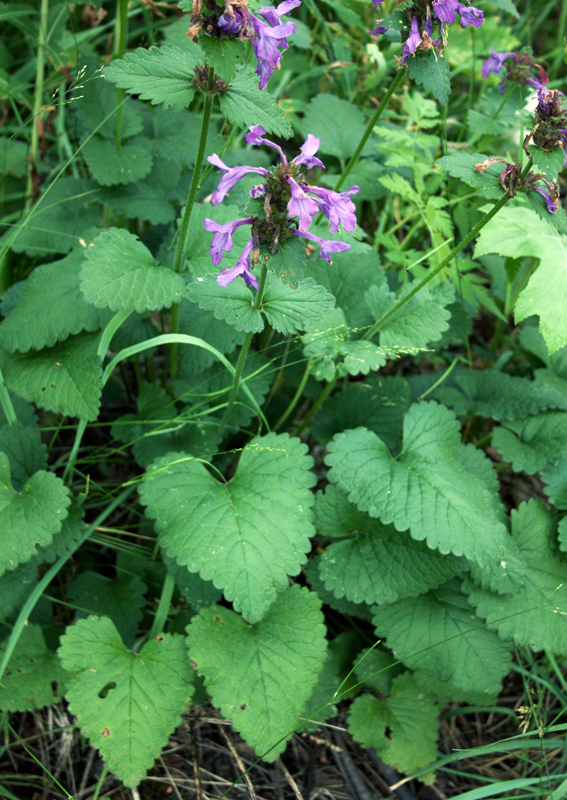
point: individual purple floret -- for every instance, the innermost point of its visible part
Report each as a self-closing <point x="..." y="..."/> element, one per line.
<point x="377" y="3"/>
<point x="494" y="62"/>
<point x="337" y="207"/>
<point x="231" y="177"/>
<point x="470" y="16"/>
<point x="242" y="268"/>
<point x="520" y="68"/>
<point x="270" y="37"/>
<point x="327" y="245"/>
<point x="551" y="201"/>
<point x="222" y="240"/>
<point x="445" y="10"/>
<point x="301" y="205"/>
<point x="308" y="150"/>
<point x="254" y="136"/>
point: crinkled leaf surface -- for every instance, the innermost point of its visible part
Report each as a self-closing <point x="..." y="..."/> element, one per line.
<point x="433" y="72"/>
<point x="30" y="517"/>
<point x="25" y="452"/>
<point x="338" y="124"/>
<point x="162" y="75"/>
<point x="518" y="233"/>
<point x="150" y="199"/>
<point x="197" y="592"/>
<point x="65" y="379"/>
<point x="110" y="166"/>
<point x="425" y="489"/>
<point x="342" y="605"/>
<point x="550" y="162"/>
<point x="126" y="703"/>
<point x="233" y="303"/>
<point x="377" y="668"/>
<point x="51" y="309"/>
<point x="97" y="99"/>
<point x="15" y="587"/>
<point x="245" y="104"/>
<point x="375" y="564"/>
<point x="411" y="717"/>
<point x="462" y="165"/>
<point x="440" y="633"/>
<point x="289" y="261"/>
<point x="65" y="541"/>
<point x="532" y="443"/>
<point x="223" y="55"/>
<point x="246" y="535"/>
<point x="320" y="707"/>
<point x="203" y="324"/>
<point x="535" y="615"/>
<point x="121" y="273"/>
<point x="34" y="677"/>
<point x="121" y="599"/>
<point x="261" y="675"/>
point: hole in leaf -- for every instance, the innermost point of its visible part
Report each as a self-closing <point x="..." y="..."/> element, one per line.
<point x="388" y="732"/>
<point x="106" y="689"/>
<point x="55" y="688"/>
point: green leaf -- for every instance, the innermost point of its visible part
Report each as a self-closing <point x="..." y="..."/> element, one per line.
<point x="289" y="261"/>
<point x="223" y="55"/>
<point x="537" y="203"/>
<point x="16" y="587"/>
<point x="198" y="243"/>
<point x="110" y="166"/>
<point x="518" y="233"/>
<point x="438" y="632"/>
<point x="245" y="104"/>
<point x="402" y="729"/>
<point x="462" y="165"/>
<point x="65" y="541"/>
<point x="550" y="162"/>
<point x="376" y="403"/>
<point x="97" y="99"/>
<point x="122" y="599"/>
<point x="233" y="303"/>
<point x="197" y="592"/>
<point x="342" y="605"/>
<point x="420" y="321"/>
<point x="426" y="488"/>
<point x="25" y="451"/>
<point x="338" y="124"/>
<point x="377" y="668"/>
<point x="51" y="309"/>
<point x="150" y="199"/>
<point x="162" y="75"/>
<point x="30" y="517"/>
<point x="535" y="615"/>
<point x="530" y="444"/>
<point x="64" y="379"/>
<point x="431" y="71"/>
<point x="375" y="564"/>
<point x="320" y="707"/>
<point x="126" y="703"/>
<point x="34" y="678"/>
<point x="562" y="534"/>
<point x="248" y="534"/>
<point x="507" y="6"/>
<point x="261" y="675"/>
<point x="121" y="273"/>
<point x="204" y="325"/>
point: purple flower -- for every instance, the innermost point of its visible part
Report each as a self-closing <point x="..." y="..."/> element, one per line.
<point x="376" y="3"/>
<point x="268" y="40"/>
<point x="470" y="16"/>
<point x="308" y="150"/>
<point x="222" y="240"/>
<point x="337" y="207"/>
<point x="414" y="39"/>
<point x="273" y="15"/>
<point x="231" y="177"/>
<point x="378" y="30"/>
<point x="551" y="202"/>
<point x="255" y="137"/>
<point x="327" y="246"/>
<point x="445" y="10"/>
<point x="257" y="191"/>
<point x="531" y="80"/>
<point x="230" y="25"/>
<point x="242" y="268"/>
<point x="494" y="62"/>
<point x="301" y="205"/>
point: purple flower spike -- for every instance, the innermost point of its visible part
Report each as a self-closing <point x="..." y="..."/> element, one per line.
<point x="552" y="204"/>
<point x="231" y="177"/>
<point x="494" y="62"/>
<point x="327" y="246"/>
<point x="337" y="207"/>
<point x="301" y="205"/>
<point x="255" y="137"/>
<point x="222" y="240"/>
<point x="308" y="150"/>
<point x="266" y="46"/>
<point x="470" y="16"/>
<point x="242" y="268"/>
<point x="445" y="10"/>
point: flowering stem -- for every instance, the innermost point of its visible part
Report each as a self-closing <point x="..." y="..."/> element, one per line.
<point x="370" y="127"/>
<point x="296" y="396"/>
<point x="447" y="260"/>
<point x="186" y="219"/>
<point x="243" y="352"/>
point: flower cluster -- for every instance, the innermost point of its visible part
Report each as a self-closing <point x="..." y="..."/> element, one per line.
<point x="519" y="69"/>
<point x="512" y="182"/>
<point x="422" y="16"/>
<point x="234" y="21"/>
<point x="288" y="204"/>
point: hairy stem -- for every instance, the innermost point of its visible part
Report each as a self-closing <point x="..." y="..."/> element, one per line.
<point x="120" y="36"/>
<point x="37" y="98"/>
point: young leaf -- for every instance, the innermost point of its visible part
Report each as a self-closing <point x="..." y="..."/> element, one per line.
<point x="245" y="104"/>
<point x="64" y="379"/>
<point x="246" y="535"/>
<point x="261" y="675"/>
<point x="30" y="517"/>
<point x="376" y="403"/>
<point x="110" y="166"/>
<point x="122" y="600"/>
<point x="403" y="729"/>
<point x="462" y="165"/>
<point x="426" y="488"/>
<point x="121" y="273"/>
<point x="375" y="564"/>
<point x="163" y="75"/>
<point x="518" y="233"/>
<point x="550" y="162"/>
<point x="126" y="703"/>
<point x="535" y="615"/>
<point x="223" y="55"/>
<point x="34" y="678"/>
<point x="431" y="71"/>
<point x="439" y="633"/>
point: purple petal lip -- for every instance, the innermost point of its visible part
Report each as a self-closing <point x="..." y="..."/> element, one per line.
<point x="255" y="136"/>
<point x="308" y="150"/>
<point x="301" y="205"/>
<point x="327" y="246"/>
<point x="470" y="16"/>
<point x="242" y="268"/>
<point x="231" y="177"/>
<point x="494" y="62"/>
<point x="378" y="30"/>
<point x="222" y="240"/>
<point x="414" y="39"/>
<point x="337" y="207"/>
<point x="551" y="205"/>
<point x="445" y="10"/>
